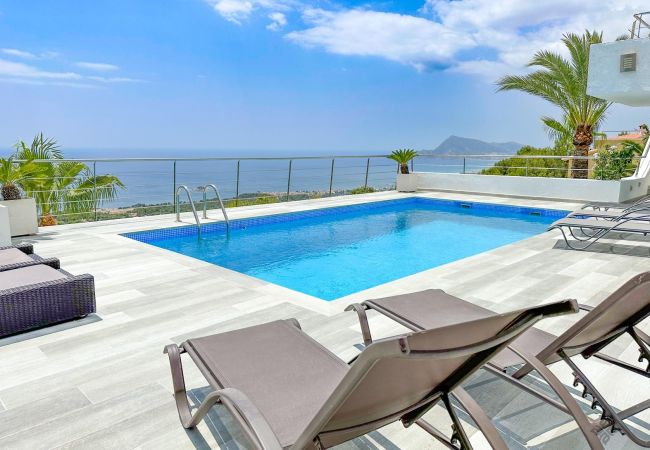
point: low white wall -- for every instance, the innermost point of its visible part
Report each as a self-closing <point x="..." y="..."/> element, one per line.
<point x="552" y="188"/>
<point x="633" y="188"/>
<point x="5" y="230"/>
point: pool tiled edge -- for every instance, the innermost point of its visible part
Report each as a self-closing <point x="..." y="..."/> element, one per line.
<point x="148" y="236"/>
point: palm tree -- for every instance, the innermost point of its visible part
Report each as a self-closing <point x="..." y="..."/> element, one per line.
<point x="402" y="157"/>
<point x="64" y="188"/>
<point x="563" y="83"/>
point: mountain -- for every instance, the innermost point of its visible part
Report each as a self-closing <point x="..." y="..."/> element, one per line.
<point x="457" y="145"/>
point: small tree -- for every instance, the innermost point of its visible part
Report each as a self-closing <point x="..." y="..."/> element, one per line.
<point x="402" y="157"/>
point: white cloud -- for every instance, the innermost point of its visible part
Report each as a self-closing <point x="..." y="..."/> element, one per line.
<point x="18" y="53"/>
<point x="480" y="37"/>
<point x="236" y="11"/>
<point x="515" y="30"/>
<point x="17" y="72"/>
<point x="278" y="21"/>
<point x="114" y="79"/>
<point x="402" y="38"/>
<point x="97" y="67"/>
<point x="20" y="70"/>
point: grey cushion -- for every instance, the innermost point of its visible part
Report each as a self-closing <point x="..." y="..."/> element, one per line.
<point x="13" y="256"/>
<point x="28" y="275"/>
<point x="435" y="308"/>
<point x="532" y="342"/>
<point x="283" y="371"/>
<point x="430" y="309"/>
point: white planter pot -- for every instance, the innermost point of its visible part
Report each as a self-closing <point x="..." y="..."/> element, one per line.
<point x="407" y="182"/>
<point x="5" y="231"/>
<point x="23" y="219"/>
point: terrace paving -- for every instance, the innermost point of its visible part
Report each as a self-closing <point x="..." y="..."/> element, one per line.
<point x="103" y="382"/>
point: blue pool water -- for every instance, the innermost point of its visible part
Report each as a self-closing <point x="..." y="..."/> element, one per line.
<point x="332" y="252"/>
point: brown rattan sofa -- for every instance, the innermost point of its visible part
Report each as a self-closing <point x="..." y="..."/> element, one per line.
<point x="39" y="295"/>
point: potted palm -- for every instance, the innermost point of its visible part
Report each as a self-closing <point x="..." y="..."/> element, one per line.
<point x="406" y="181"/>
<point x="22" y="211"/>
<point x="64" y="188"/>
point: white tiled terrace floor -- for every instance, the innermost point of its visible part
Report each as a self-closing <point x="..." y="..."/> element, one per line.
<point x="106" y="384"/>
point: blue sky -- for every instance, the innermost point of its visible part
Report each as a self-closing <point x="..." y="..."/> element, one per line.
<point x="282" y="75"/>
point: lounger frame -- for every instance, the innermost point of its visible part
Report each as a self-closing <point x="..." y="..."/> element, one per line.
<point x="591" y="233"/>
<point x="261" y="435"/>
<point x="610" y="418"/>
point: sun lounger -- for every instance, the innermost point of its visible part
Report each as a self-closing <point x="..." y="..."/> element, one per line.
<point x="39" y="295"/>
<point x="288" y="391"/>
<point x="591" y="230"/>
<point x="15" y="257"/>
<point x="536" y="349"/>
<point x="643" y="201"/>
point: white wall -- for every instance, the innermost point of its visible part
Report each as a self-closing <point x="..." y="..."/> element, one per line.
<point x="552" y="188"/>
<point x="606" y="81"/>
<point x="5" y="231"/>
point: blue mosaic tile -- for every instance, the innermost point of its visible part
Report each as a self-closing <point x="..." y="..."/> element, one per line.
<point x="449" y="205"/>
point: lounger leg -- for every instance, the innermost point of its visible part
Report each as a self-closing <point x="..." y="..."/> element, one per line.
<point x="363" y="322"/>
<point x="478" y="416"/>
<point x="180" y="393"/>
<point x="480" y="419"/>
<point x="609" y="417"/>
<point x="252" y="422"/>
<point x="188" y="419"/>
<point x="458" y="434"/>
<point x="589" y="430"/>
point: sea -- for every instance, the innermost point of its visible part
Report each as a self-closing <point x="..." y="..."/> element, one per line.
<point x="153" y="181"/>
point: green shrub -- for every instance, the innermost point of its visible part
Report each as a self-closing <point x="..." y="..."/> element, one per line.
<point x="362" y="190"/>
<point x="537" y="167"/>
<point x="614" y="164"/>
<point x="259" y="199"/>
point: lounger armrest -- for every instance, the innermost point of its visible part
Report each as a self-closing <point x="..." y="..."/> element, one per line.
<point x="360" y="309"/>
<point x="27" y="249"/>
<point x="240" y="405"/>
<point x="254" y="424"/>
<point x="54" y="263"/>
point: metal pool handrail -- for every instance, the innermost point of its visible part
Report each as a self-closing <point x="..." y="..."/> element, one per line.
<point x="182" y="187"/>
<point x="205" y="203"/>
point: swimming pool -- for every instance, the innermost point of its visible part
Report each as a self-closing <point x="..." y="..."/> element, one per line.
<point x="332" y="252"/>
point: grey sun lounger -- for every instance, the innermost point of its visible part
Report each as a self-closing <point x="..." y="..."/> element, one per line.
<point x="591" y="230"/>
<point x="536" y="349"/>
<point x="605" y="206"/>
<point x="22" y="255"/>
<point x="39" y="295"/>
<point x="287" y="391"/>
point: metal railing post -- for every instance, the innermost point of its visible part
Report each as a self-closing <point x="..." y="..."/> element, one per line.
<point x="331" y="176"/>
<point x="237" y="187"/>
<point x="526" y="159"/>
<point x="464" y="165"/>
<point x="289" y="181"/>
<point x="412" y="164"/>
<point x="365" y="184"/>
<point x="95" y="188"/>
<point x="175" y="197"/>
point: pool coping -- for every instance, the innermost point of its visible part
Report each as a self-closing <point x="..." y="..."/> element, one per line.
<point x="329" y="307"/>
<point x="113" y="230"/>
